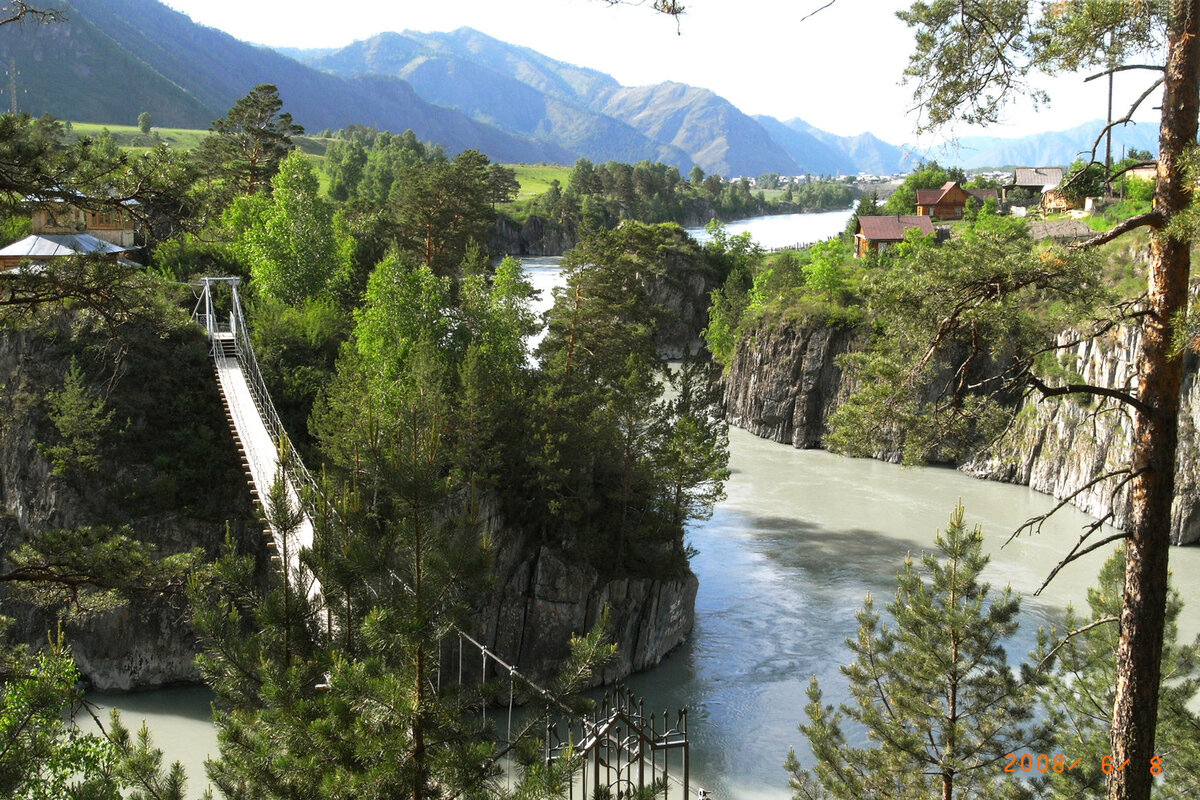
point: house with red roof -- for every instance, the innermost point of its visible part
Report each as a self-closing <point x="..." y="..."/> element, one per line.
<point x="950" y="201"/>
<point x="879" y="233"/>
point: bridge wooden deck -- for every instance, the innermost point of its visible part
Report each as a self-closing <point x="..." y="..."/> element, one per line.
<point x="259" y="453"/>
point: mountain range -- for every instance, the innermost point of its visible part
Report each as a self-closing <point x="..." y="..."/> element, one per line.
<point x="461" y="89"/>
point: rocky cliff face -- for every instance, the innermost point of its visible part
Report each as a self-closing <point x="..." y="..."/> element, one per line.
<point x="536" y="237"/>
<point x="1062" y="446"/>
<point x="540" y="599"/>
<point x="168" y="470"/>
<point x="783" y="383"/>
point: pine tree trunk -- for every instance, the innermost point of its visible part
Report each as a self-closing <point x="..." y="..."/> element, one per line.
<point x="1139" y="653"/>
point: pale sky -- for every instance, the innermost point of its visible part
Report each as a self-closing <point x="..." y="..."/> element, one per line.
<point x="838" y="70"/>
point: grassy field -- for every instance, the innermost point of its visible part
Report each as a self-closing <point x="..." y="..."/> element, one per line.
<point x="129" y="135"/>
<point x="535" y="178"/>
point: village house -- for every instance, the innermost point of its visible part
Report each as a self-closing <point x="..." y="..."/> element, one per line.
<point x="950" y="201"/>
<point x="879" y="233"/>
<point x="61" y="229"/>
<point x="1037" y="181"/>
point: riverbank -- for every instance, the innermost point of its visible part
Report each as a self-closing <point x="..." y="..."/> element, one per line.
<point x="539" y="237"/>
<point x="784" y="564"/>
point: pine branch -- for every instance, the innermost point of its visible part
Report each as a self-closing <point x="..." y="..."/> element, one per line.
<point x="1151" y="219"/>
<point x="1054" y="651"/>
<point x="1087" y="388"/>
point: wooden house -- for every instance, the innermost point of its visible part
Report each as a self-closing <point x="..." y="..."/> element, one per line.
<point x="878" y="233"/>
<point x="950" y="201"/>
<point x="62" y="229"/>
<point x="1035" y="180"/>
<point x="947" y="202"/>
<point x="58" y="218"/>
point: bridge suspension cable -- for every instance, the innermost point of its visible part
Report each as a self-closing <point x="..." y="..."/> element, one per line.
<point x="609" y="742"/>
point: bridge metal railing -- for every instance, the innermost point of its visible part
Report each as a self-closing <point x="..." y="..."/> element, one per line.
<point x="303" y="481"/>
<point x="611" y="740"/>
<point x="294" y="469"/>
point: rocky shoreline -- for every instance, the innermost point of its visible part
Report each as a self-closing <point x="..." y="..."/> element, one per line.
<point x="783" y="384"/>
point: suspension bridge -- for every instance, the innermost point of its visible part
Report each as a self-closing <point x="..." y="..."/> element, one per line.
<point x="619" y="749"/>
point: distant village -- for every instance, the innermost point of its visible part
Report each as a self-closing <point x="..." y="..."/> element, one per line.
<point x="62" y="229"/>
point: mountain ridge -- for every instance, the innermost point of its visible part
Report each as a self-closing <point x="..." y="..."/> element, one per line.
<point x="461" y="89"/>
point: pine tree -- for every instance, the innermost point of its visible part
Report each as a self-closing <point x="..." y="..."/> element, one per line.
<point x="1078" y="695"/>
<point x="249" y="142"/>
<point x="933" y="689"/>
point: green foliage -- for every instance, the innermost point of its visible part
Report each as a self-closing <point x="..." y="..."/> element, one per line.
<point x="82" y="424"/>
<point x="441" y="207"/>
<point x="290" y="240"/>
<point x="601" y="195"/>
<point x="42" y="755"/>
<point x="606" y="479"/>
<point x="868" y="206"/>
<point x="1077" y="697"/>
<point x="144" y="122"/>
<point x="188" y="256"/>
<point x="405" y="308"/>
<point x="932" y="689"/>
<point x="1082" y="180"/>
<point x="815" y="283"/>
<point x="139" y="764"/>
<point x="249" y="143"/>
<point x="825" y="272"/>
<point x="957" y="328"/>
<point x="296" y="348"/>
<point x="93" y="569"/>
<point x="822" y="195"/>
<point x="1139" y="189"/>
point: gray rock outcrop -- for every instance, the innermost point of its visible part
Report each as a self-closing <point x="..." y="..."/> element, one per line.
<point x="1063" y="446"/>
<point x="783" y="383"/>
<point x="540" y="599"/>
<point x="148" y="643"/>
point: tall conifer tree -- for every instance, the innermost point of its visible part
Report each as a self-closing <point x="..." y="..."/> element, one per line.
<point x="933" y="689"/>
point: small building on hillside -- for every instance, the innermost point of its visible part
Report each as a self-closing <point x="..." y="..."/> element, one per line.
<point x="878" y="233"/>
<point x="39" y="248"/>
<point x="57" y="217"/>
<point x="1143" y="173"/>
<point x="61" y="229"/>
<point x="950" y="201"/>
<point x="1034" y="180"/>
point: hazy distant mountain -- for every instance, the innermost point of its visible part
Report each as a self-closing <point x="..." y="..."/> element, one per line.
<point x="866" y="151"/>
<point x="707" y="127"/>
<point x="460" y="89"/>
<point x="525" y="92"/>
<point x="1058" y="148"/>
<point x="129" y="56"/>
<point x="486" y="95"/>
<point x="812" y="156"/>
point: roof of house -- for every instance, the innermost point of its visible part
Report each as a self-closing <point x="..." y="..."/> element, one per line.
<point x="892" y="229"/>
<point x="930" y="197"/>
<point x="983" y="195"/>
<point x="1041" y="177"/>
<point x="60" y="245"/>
